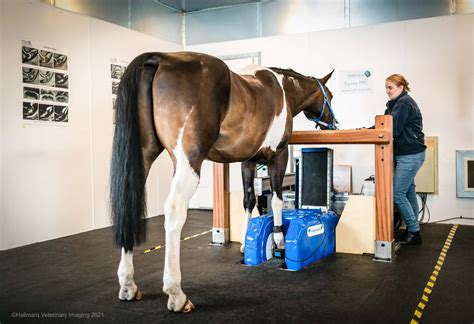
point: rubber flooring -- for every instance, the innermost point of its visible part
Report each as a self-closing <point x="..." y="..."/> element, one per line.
<point x="73" y="279"/>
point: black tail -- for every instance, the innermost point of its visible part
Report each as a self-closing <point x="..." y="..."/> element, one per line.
<point x="127" y="174"/>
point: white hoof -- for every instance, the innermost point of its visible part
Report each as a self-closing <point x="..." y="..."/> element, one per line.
<point x="130" y="293"/>
<point x="177" y="303"/>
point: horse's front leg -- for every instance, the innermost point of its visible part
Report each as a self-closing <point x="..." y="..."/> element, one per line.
<point x="248" y="174"/>
<point x="128" y="288"/>
<point x="276" y="169"/>
<point x="183" y="186"/>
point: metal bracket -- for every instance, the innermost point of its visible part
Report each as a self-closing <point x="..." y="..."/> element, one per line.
<point x="220" y="236"/>
<point x="384" y="251"/>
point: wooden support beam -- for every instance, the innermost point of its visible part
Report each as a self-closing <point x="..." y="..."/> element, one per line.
<point x="349" y="136"/>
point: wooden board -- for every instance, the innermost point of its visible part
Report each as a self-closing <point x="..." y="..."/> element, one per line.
<point x="426" y="179"/>
<point x="355" y="232"/>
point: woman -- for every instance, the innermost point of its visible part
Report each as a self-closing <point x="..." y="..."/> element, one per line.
<point x="409" y="153"/>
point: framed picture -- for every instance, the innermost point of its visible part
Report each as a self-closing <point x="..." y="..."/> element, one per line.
<point x="465" y="174"/>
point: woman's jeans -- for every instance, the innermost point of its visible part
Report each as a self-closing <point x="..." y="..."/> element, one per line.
<point x="404" y="194"/>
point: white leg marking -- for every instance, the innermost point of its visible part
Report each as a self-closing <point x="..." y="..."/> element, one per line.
<point x="245" y="224"/>
<point x="125" y="272"/>
<point x="183" y="186"/>
<point x="277" y="207"/>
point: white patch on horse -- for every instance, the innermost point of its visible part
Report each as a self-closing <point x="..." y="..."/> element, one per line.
<point x="183" y="186"/>
<point x="277" y="128"/>
<point x="125" y="272"/>
<point x="245" y="224"/>
<point x="277" y="207"/>
<point x="295" y="83"/>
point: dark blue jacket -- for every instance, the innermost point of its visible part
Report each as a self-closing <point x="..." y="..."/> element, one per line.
<point x="408" y="137"/>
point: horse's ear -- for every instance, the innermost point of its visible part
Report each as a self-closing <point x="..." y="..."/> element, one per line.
<point x="326" y="78"/>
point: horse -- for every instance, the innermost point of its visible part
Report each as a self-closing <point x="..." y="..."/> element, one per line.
<point x="194" y="107"/>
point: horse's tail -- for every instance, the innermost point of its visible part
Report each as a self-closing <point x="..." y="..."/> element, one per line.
<point x="127" y="173"/>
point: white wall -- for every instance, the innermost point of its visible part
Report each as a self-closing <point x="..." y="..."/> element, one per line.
<point x="102" y="49"/>
<point x="2" y="135"/>
<point x="434" y="54"/>
<point x="54" y="178"/>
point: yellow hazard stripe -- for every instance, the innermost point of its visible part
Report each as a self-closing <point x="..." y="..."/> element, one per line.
<point x="184" y="239"/>
<point x="433" y="277"/>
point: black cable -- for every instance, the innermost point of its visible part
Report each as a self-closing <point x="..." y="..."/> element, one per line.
<point x="424" y="208"/>
<point x="447" y="219"/>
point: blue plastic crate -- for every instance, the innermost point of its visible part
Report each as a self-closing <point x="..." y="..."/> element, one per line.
<point x="309" y="234"/>
<point x="310" y="239"/>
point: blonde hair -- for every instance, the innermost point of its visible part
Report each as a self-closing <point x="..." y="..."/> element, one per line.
<point x="399" y="80"/>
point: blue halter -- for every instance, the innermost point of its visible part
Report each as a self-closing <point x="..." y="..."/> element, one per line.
<point x="318" y="121"/>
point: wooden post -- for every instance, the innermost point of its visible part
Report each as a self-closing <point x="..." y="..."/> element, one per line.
<point x="220" y="211"/>
<point x="384" y="247"/>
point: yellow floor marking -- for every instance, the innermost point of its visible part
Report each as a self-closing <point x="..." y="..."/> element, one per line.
<point x="184" y="239"/>
<point x="433" y="277"/>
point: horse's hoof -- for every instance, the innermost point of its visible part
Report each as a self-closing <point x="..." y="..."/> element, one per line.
<point x="138" y="295"/>
<point x="188" y="307"/>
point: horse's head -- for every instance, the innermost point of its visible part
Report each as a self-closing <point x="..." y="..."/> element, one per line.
<point x="317" y="107"/>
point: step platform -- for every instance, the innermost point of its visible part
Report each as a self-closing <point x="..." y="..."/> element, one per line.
<point x="309" y="235"/>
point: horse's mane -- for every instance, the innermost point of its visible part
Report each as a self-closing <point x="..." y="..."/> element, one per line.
<point x="290" y="72"/>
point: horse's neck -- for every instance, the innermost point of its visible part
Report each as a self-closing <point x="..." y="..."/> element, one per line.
<point x="296" y="95"/>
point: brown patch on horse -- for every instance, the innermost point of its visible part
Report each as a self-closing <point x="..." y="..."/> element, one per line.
<point x="190" y="94"/>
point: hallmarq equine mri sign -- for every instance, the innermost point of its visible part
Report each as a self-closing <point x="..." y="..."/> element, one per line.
<point x="356" y="81"/>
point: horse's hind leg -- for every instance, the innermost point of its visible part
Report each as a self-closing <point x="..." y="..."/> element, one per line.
<point x="183" y="186"/>
<point x="277" y="168"/>
<point x="128" y="289"/>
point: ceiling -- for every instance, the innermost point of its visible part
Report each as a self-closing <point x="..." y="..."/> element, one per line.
<point x="200" y="5"/>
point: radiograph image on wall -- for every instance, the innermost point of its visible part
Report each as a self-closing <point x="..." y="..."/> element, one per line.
<point x="30" y="110"/>
<point x="29" y="55"/>
<point x="60" y="61"/>
<point x="30" y="75"/>
<point x="61" y="113"/>
<point x="47" y="95"/>
<point x="62" y="96"/>
<point x="46" y="112"/>
<point x="47" y="78"/>
<point x="61" y="80"/>
<point x="115" y="86"/>
<point x="46" y="59"/>
<point x="31" y="93"/>
<point x="117" y="71"/>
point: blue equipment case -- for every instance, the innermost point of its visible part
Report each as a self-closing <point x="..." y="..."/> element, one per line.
<point x="309" y="236"/>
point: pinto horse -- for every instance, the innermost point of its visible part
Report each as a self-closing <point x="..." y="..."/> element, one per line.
<point x="193" y="106"/>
